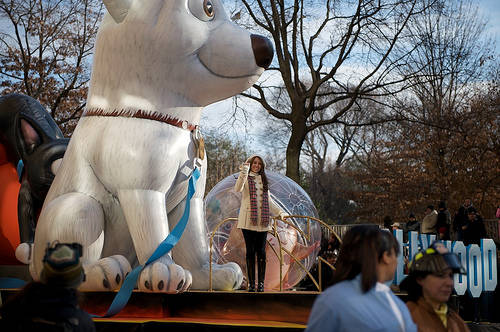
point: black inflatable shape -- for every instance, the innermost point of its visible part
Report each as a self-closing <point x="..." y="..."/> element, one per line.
<point x="31" y="135"/>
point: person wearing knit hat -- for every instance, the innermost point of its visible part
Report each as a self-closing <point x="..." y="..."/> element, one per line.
<point x="62" y="266"/>
<point x="429" y="286"/>
<point x="473" y="229"/>
<point x="254" y="219"/>
<point x="412" y="225"/>
<point x="50" y="304"/>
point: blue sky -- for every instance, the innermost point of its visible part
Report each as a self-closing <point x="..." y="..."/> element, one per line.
<point x="491" y="10"/>
<point x="221" y="111"/>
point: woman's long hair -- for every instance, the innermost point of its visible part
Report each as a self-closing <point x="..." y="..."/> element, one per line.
<point x="262" y="173"/>
<point x="412" y="286"/>
<point x="362" y="248"/>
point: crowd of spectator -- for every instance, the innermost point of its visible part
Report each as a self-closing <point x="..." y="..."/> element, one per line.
<point x="466" y="225"/>
<point x="429" y="286"/>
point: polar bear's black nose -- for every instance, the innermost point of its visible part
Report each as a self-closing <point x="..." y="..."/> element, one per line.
<point x="263" y="50"/>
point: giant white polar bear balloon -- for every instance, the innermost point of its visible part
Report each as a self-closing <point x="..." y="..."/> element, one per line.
<point x="122" y="184"/>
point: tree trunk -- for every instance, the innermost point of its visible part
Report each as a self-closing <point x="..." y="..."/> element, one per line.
<point x="293" y="151"/>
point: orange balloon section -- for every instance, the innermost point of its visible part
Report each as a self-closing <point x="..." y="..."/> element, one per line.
<point x="9" y="229"/>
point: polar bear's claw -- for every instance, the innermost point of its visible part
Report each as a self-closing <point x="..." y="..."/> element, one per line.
<point x="164" y="276"/>
<point x="110" y="271"/>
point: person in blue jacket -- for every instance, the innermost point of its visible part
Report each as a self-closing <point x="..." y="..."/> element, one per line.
<point x="360" y="299"/>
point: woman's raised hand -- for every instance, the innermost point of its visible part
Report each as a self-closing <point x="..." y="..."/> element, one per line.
<point x="245" y="167"/>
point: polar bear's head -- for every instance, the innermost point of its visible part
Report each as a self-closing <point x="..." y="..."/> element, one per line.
<point x="172" y="53"/>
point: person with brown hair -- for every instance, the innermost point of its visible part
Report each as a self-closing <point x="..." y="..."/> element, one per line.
<point x="254" y="219"/>
<point x="359" y="299"/>
<point x="429" y="285"/>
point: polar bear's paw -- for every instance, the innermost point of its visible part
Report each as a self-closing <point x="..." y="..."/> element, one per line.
<point x="106" y="274"/>
<point x="164" y="276"/>
<point x="24" y="252"/>
<point x="226" y="276"/>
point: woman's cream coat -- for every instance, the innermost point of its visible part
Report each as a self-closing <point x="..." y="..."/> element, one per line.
<point x="244" y="217"/>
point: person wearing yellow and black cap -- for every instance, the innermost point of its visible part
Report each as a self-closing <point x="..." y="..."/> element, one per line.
<point x="429" y="286"/>
<point x="52" y="303"/>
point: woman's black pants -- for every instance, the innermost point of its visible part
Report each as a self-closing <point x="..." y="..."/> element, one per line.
<point x="255" y="243"/>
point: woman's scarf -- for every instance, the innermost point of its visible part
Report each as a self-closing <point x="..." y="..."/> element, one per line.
<point x="253" y="204"/>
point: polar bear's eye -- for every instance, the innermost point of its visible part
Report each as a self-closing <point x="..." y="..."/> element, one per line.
<point x="209" y="8"/>
<point x="203" y="10"/>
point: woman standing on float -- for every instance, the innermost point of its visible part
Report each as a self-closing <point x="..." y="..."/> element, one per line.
<point x="254" y="218"/>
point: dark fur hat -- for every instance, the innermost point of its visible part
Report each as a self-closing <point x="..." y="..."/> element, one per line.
<point x="62" y="266"/>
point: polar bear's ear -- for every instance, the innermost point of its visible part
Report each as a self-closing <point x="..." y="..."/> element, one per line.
<point x="118" y="9"/>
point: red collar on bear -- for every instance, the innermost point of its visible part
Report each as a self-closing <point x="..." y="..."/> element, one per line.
<point x="140" y="114"/>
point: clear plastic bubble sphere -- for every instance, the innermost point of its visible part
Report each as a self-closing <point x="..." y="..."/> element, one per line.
<point x="299" y="238"/>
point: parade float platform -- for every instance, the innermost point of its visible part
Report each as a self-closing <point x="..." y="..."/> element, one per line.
<point x="204" y="310"/>
<point x="201" y="311"/>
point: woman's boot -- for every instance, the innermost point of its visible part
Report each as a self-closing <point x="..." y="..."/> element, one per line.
<point x="261" y="274"/>
<point x="251" y="274"/>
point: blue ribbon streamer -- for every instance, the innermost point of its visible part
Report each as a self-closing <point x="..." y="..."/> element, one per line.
<point x="11" y="283"/>
<point x="20" y="170"/>
<point x="123" y="295"/>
